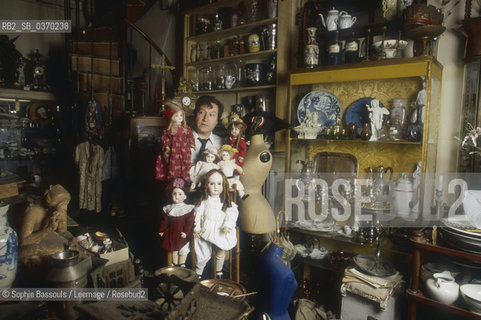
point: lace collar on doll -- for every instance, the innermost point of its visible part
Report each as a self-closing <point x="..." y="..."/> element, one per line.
<point x="177" y="209"/>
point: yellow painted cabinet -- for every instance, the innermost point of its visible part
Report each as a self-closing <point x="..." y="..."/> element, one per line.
<point x="385" y="80"/>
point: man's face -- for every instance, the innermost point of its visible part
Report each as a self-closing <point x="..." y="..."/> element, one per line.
<point x="206" y="119"/>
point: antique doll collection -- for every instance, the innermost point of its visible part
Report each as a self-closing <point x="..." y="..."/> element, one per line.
<point x="210" y="182"/>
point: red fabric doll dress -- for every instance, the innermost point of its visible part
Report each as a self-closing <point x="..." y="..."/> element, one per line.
<point x="241" y="150"/>
<point x="176" y="218"/>
<point x="177" y="165"/>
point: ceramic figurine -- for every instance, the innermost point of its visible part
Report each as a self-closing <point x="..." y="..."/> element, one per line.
<point x="309" y="128"/>
<point x="215" y="222"/>
<point x="236" y="128"/>
<point x="376" y="115"/>
<point x="176" y="141"/>
<point x="198" y="171"/>
<point x="228" y="166"/>
<point x="176" y="223"/>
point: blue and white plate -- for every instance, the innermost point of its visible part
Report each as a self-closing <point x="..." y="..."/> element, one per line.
<point x="358" y="113"/>
<point x="324" y="103"/>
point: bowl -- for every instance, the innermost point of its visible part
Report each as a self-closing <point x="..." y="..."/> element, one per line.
<point x="390" y="48"/>
<point x="471" y="293"/>
<point x="100" y="236"/>
<point x="65" y="258"/>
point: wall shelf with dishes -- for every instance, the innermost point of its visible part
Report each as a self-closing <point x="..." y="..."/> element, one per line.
<point x="232" y="50"/>
<point x="456" y="267"/>
<point x="29" y="132"/>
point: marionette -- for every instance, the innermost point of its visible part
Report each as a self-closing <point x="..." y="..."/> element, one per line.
<point x="236" y="138"/>
<point x="177" y="221"/>
<point x="215" y="222"/>
<point x="176" y="141"/>
<point x="198" y="171"/>
<point x="228" y="166"/>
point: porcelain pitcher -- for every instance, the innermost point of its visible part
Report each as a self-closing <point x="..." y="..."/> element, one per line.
<point x="332" y="19"/>
<point x="442" y="287"/>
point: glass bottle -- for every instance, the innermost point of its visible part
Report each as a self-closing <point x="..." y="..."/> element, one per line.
<point x="366" y="131"/>
<point x="335" y="51"/>
<point x="351" y="49"/>
<point x="311" y="49"/>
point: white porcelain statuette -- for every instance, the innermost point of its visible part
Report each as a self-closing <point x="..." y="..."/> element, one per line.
<point x="309" y="128"/>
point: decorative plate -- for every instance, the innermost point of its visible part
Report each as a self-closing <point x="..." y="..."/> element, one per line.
<point x="324" y="103"/>
<point x="358" y="113"/>
<point x="40" y="112"/>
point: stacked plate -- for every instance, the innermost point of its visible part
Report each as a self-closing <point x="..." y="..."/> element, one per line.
<point x="458" y="233"/>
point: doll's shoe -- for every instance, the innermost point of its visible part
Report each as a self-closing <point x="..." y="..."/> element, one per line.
<point x="244" y="196"/>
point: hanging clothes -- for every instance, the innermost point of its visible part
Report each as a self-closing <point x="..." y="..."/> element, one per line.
<point x="90" y="159"/>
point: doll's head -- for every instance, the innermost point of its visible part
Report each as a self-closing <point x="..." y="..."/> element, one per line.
<point x="226" y="152"/>
<point x="216" y="186"/>
<point x="175" y="114"/>
<point x="177" y="189"/>
<point x="210" y="156"/>
<point x="178" y="195"/>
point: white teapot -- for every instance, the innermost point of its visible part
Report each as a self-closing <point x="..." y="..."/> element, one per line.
<point x="332" y="19"/>
<point x="402" y="194"/>
<point x="442" y="287"/>
<point x="346" y="20"/>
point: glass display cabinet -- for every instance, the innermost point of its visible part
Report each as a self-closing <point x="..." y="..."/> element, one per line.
<point x="339" y="99"/>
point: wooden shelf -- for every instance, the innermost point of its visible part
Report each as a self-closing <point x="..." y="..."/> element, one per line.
<point x="245" y="56"/>
<point x="225" y="33"/>
<point x="356" y="141"/>
<point x="26" y="95"/>
<point x="447" y="251"/>
<point x="418" y="297"/>
<point x="243" y="89"/>
<point x="420" y="246"/>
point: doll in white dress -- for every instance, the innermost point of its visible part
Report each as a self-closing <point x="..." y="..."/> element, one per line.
<point x="215" y="222"/>
<point x="231" y="170"/>
<point x="198" y="171"/>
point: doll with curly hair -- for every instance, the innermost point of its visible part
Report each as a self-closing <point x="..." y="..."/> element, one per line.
<point x="215" y="221"/>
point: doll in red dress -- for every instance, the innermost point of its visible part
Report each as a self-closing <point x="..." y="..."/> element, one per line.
<point x="176" y="141"/>
<point x="177" y="222"/>
<point x="236" y="138"/>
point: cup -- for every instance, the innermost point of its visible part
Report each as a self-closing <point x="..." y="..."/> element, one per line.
<point x="346" y="21"/>
<point x="229" y="81"/>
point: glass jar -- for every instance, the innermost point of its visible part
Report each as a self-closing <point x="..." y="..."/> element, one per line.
<point x="399" y="112"/>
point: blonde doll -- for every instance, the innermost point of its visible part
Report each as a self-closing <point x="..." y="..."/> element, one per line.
<point x="176" y="223"/>
<point x="228" y="166"/>
<point x="236" y="139"/>
<point x="177" y="140"/>
<point x="198" y="171"/>
<point x="215" y="222"/>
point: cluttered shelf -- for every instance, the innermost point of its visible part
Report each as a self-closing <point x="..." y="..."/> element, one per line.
<point x="418" y="297"/>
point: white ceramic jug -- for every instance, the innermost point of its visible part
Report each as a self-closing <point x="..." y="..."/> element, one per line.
<point x="402" y="194"/>
<point x="442" y="287"/>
